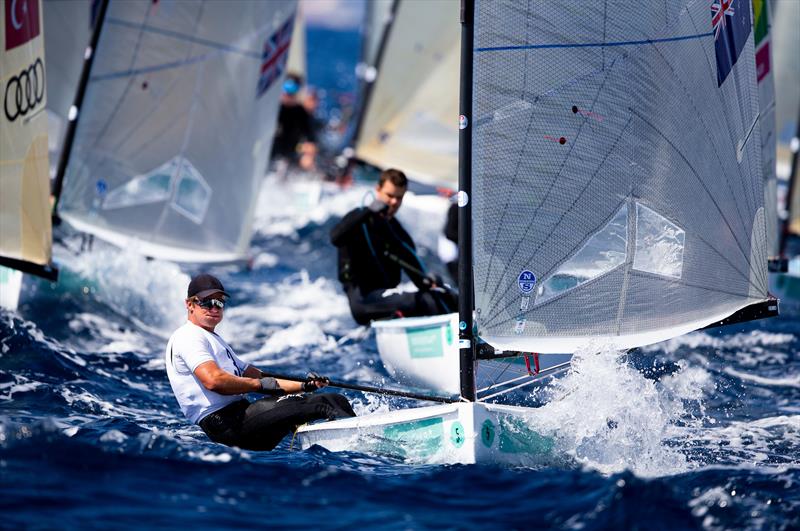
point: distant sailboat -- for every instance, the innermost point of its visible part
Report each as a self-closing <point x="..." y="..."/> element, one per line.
<point x="25" y="230"/>
<point x="611" y="192"/>
<point x="786" y="42"/>
<point x="408" y="120"/>
<point x="176" y="126"/>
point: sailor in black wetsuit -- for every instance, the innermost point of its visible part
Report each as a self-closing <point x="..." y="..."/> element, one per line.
<point x="373" y="251"/>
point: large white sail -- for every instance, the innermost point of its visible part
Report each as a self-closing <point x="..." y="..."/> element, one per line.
<point x="618" y="192"/>
<point x="411" y="116"/>
<point x="68" y="29"/>
<point x="176" y="126"/>
<point x="25" y="230"/>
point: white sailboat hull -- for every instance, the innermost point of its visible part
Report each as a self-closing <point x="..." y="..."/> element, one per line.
<point x="421" y="351"/>
<point x="10" y="287"/>
<point x="465" y="433"/>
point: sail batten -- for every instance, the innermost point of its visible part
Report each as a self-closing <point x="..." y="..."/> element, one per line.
<point x="618" y="187"/>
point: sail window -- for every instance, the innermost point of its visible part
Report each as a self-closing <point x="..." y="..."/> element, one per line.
<point x="141" y="190"/>
<point x="659" y="244"/>
<point x="192" y="193"/>
<point x="604" y="251"/>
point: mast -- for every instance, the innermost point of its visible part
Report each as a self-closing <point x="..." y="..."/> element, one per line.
<point x="466" y="339"/>
<point x="75" y="110"/>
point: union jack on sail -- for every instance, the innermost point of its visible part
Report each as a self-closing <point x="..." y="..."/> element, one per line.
<point x="274" y="56"/>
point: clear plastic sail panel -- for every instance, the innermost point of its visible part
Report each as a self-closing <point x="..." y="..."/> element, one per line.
<point x="617" y="178"/>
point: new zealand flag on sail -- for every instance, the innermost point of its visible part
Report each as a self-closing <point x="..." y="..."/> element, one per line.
<point x="274" y="56"/>
<point x="731" y="22"/>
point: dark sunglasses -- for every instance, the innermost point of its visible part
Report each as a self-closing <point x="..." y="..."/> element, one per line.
<point x="207" y="304"/>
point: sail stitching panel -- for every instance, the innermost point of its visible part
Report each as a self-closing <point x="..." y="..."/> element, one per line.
<point x="134" y="57"/>
<point x="730" y="129"/>
<point x="512" y="304"/>
<point x="688" y="97"/>
<point x="699" y="180"/>
<point x="520" y="157"/>
<point x="574" y="204"/>
<point x="551" y="186"/>
<point x="187" y="132"/>
<point x="186" y="37"/>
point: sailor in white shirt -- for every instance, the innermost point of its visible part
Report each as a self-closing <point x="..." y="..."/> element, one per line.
<point x="211" y="383"/>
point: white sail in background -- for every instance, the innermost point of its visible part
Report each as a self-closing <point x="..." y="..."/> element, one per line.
<point x="786" y="43"/>
<point x="377" y="15"/>
<point x="618" y="194"/>
<point x="25" y="227"/>
<point x="68" y="29"/>
<point x="296" y="63"/>
<point x="765" y="76"/>
<point x="411" y="117"/>
<point x="176" y="126"/>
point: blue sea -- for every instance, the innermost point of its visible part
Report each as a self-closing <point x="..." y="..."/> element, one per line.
<point x="705" y="433"/>
<point x="700" y="432"/>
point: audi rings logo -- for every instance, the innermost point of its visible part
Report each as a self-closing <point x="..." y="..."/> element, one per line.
<point x="24" y="91"/>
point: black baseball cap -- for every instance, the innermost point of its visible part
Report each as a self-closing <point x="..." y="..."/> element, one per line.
<point x="204" y="285"/>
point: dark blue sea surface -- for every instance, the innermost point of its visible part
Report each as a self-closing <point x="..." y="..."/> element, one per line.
<point x="701" y="432"/>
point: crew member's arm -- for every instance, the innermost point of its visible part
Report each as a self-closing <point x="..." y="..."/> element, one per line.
<point x="215" y="379"/>
<point x="288" y="386"/>
<point x="342" y="231"/>
<point x="252" y="380"/>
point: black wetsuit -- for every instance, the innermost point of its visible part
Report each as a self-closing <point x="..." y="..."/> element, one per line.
<point x="262" y="424"/>
<point x="451" y="233"/>
<point x="295" y="124"/>
<point x="373" y="252"/>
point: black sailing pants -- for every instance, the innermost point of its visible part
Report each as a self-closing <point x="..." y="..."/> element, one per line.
<point x="376" y="305"/>
<point x="262" y="424"/>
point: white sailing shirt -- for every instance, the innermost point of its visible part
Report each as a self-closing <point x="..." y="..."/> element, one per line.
<point x="188" y="347"/>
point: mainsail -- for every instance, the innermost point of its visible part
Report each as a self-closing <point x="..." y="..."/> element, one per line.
<point x="176" y="126"/>
<point x="25" y="231"/>
<point x="618" y="191"/>
<point x="409" y="122"/>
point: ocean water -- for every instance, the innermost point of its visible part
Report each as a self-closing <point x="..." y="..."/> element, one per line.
<point x="700" y="432"/>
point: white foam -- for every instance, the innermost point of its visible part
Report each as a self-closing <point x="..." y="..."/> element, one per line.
<point x="149" y="292"/>
<point x="789" y="381"/>
<point x="605" y="415"/>
<point x="694" y="340"/>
